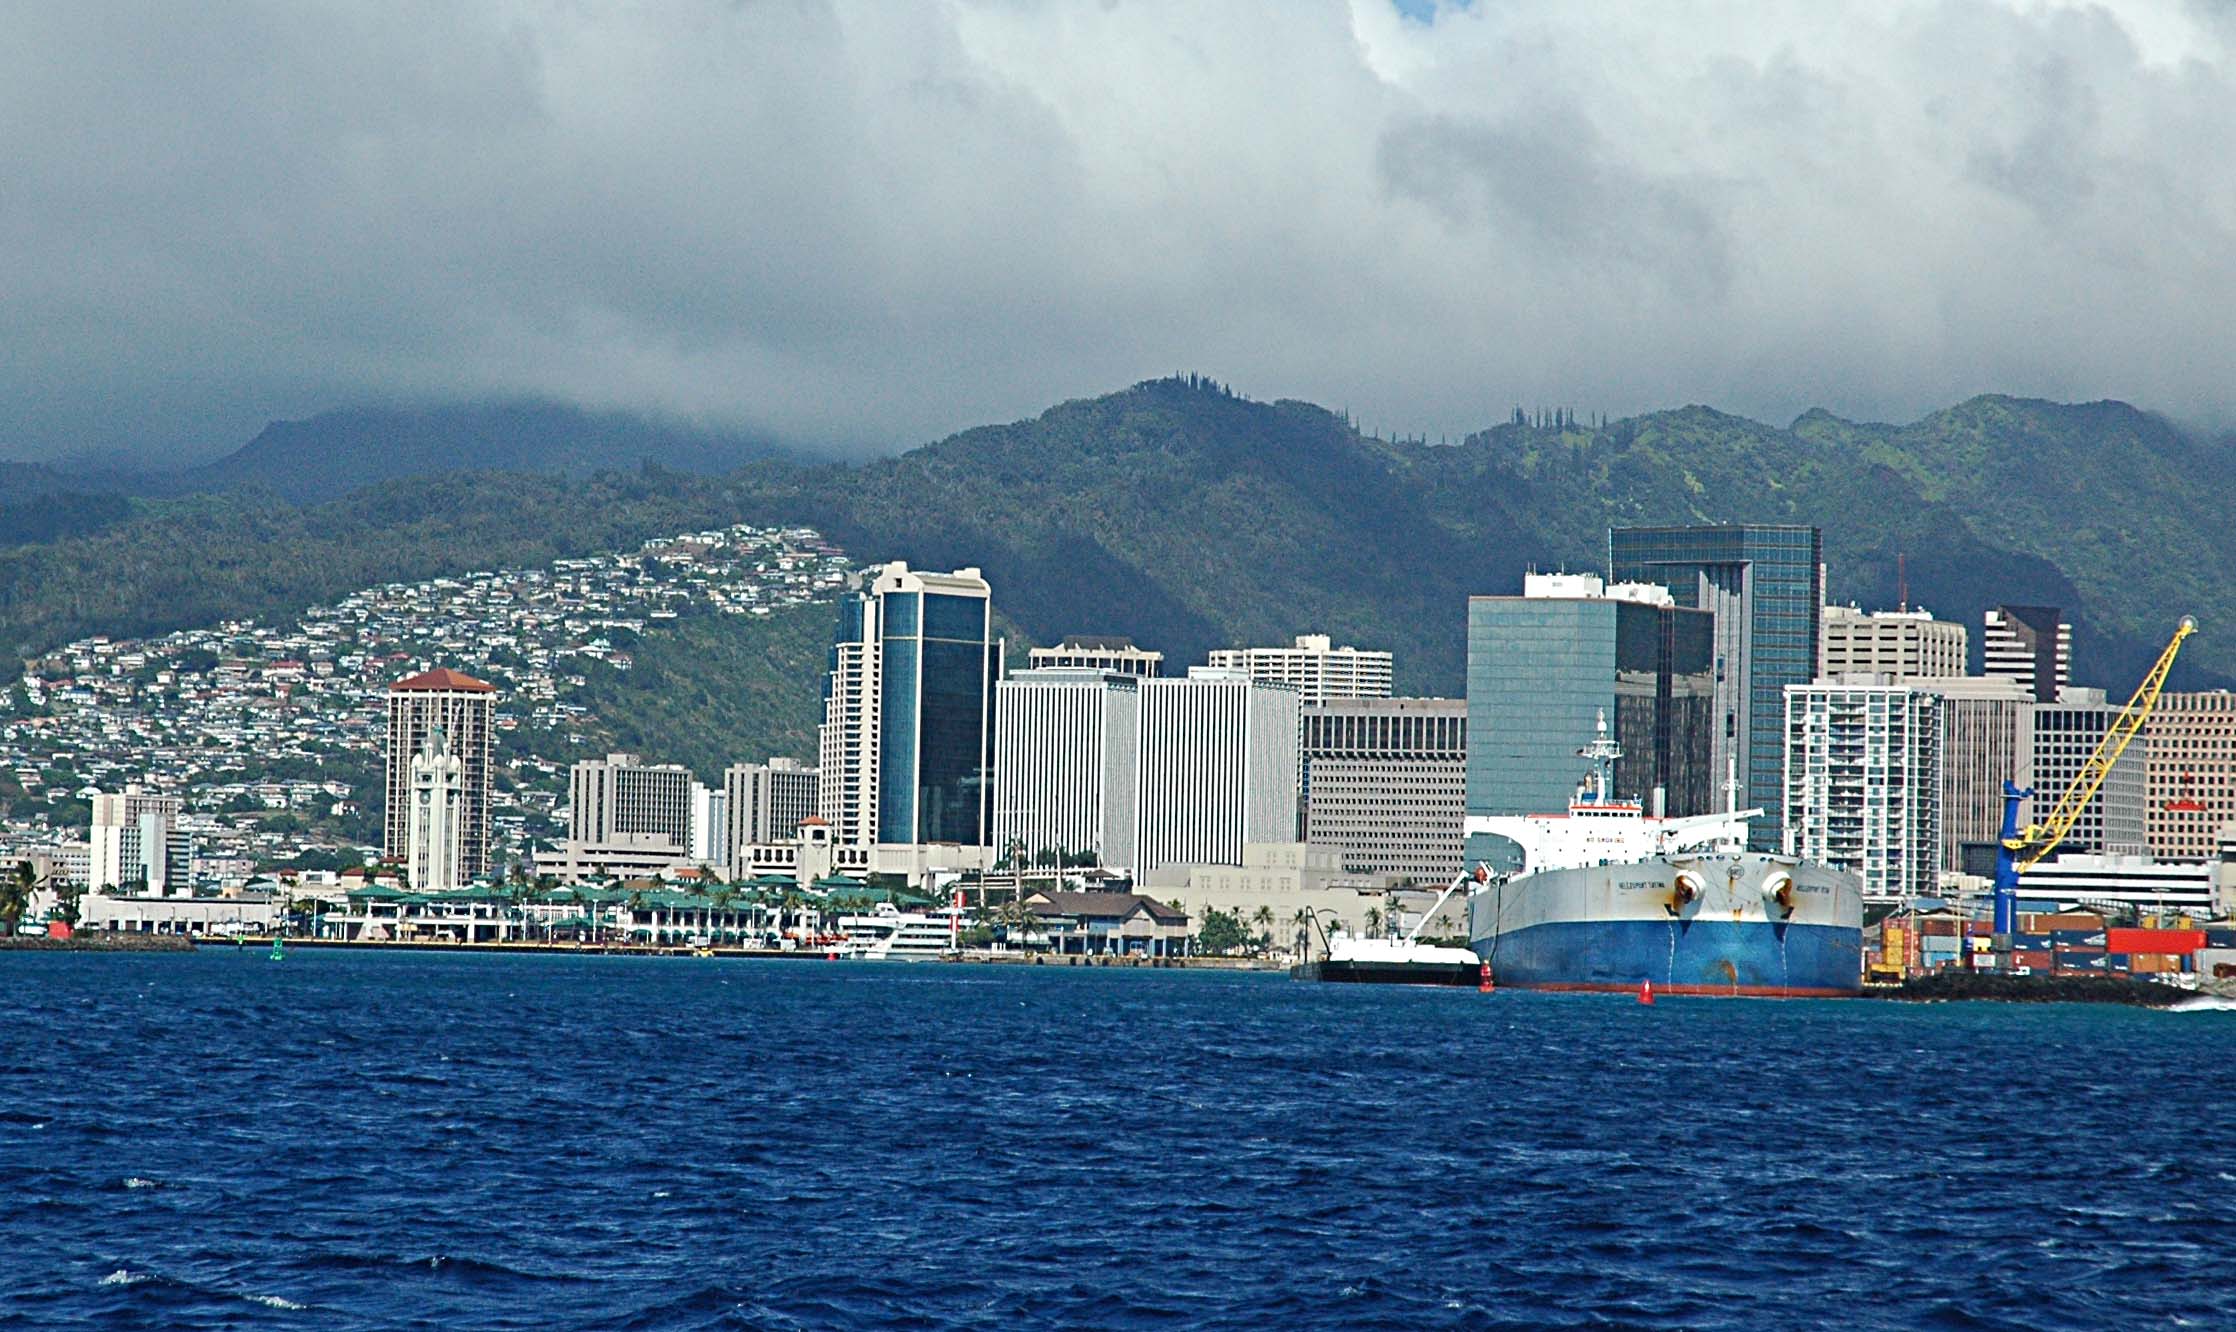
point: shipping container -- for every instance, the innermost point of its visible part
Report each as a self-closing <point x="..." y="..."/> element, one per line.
<point x="2154" y="941"/>
<point x="2070" y="920"/>
<point x="2217" y="964"/>
<point x="2019" y="941"/>
<point x="2220" y="936"/>
<point x="2040" y="958"/>
<point x="2082" y="962"/>
<point x="2078" y="938"/>
<point x="1936" y="927"/>
<point x="1979" y="928"/>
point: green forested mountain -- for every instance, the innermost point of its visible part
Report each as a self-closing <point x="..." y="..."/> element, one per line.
<point x="329" y="455"/>
<point x="1191" y="518"/>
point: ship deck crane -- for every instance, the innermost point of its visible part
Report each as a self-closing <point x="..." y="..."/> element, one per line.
<point x="2023" y="848"/>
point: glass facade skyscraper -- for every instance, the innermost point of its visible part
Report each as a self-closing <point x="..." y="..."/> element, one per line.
<point x="908" y="710"/>
<point x="1765" y="584"/>
<point x="1544" y="668"/>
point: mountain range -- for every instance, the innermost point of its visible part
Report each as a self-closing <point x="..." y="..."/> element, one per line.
<point x="1189" y="517"/>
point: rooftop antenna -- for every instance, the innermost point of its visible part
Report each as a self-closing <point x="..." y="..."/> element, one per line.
<point x="1902" y="579"/>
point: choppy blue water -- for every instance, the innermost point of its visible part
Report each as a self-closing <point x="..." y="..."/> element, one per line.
<point x="381" y="1141"/>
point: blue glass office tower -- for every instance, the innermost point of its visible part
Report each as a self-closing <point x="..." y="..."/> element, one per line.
<point x="1765" y="584"/>
<point x="1545" y="667"/>
<point x="906" y="740"/>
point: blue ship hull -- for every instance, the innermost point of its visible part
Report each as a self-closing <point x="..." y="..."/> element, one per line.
<point x="1680" y="957"/>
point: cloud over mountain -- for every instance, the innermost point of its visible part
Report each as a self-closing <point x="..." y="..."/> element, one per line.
<point x="865" y="224"/>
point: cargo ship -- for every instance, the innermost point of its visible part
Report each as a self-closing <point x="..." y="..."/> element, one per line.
<point x="1609" y="897"/>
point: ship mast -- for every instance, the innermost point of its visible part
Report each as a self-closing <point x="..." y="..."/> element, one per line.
<point x="1602" y="751"/>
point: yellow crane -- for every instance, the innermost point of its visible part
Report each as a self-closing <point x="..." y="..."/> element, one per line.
<point x="2024" y="847"/>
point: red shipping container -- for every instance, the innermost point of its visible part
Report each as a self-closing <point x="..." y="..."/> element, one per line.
<point x="2039" y="960"/>
<point x="2153" y="941"/>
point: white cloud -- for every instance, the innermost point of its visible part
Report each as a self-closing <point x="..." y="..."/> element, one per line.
<point x="866" y="223"/>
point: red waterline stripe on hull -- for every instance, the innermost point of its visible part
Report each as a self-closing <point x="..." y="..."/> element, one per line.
<point x="1726" y="991"/>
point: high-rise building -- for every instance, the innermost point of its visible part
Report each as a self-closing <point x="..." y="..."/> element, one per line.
<point x="2032" y="645"/>
<point x="1543" y="670"/>
<point x="1900" y="643"/>
<point x="1987" y="739"/>
<point x="1066" y="762"/>
<point x="2190" y="773"/>
<point x="1218" y="768"/>
<point x="710" y="824"/>
<point x="2066" y="733"/>
<point x="1765" y="585"/>
<point x="1315" y="667"/>
<point x="622" y="798"/>
<point x="906" y="736"/>
<point x="136" y="845"/>
<point x="1863" y="782"/>
<point x="766" y="802"/>
<point x="435" y="819"/>
<point x="1086" y="652"/>
<point x="465" y="709"/>
<point x="1385" y="783"/>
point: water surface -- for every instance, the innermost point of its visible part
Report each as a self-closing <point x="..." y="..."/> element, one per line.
<point x="347" y="1140"/>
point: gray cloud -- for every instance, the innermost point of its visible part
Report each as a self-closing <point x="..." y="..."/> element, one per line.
<point x="862" y="224"/>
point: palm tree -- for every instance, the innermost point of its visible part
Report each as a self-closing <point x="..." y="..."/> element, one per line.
<point x="15" y="893"/>
<point x="1373" y="921"/>
<point x="1303" y="921"/>
<point x="1263" y="919"/>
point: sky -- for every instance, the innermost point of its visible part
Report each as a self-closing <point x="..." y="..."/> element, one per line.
<point x="861" y="225"/>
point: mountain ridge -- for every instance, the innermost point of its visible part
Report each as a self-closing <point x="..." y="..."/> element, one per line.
<point x="1191" y="518"/>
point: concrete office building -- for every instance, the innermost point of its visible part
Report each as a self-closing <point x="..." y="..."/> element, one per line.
<point x="1117" y="656"/>
<point x="1900" y="643"/>
<point x="1218" y="768"/>
<point x="136" y="844"/>
<point x="1315" y="667"/>
<point x="1385" y="783"/>
<point x="2066" y="733"/>
<point x="905" y="740"/>
<point x="765" y="803"/>
<point x="1543" y="670"/>
<point x="1987" y="738"/>
<point x="2032" y="645"/>
<point x="1066" y="762"/>
<point x="435" y="827"/>
<point x="1863" y="782"/>
<point x="465" y="710"/>
<point x="1765" y="586"/>
<point x="710" y="825"/>
<point x="621" y="797"/>
<point x="2190" y="774"/>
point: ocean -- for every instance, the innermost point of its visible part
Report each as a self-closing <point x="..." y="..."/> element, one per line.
<point x="375" y="1140"/>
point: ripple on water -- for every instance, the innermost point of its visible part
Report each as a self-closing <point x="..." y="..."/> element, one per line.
<point x="368" y="1141"/>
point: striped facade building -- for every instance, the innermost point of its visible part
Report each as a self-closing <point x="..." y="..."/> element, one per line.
<point x="1385" y="783"/>
<point x="1066" y="769"/>
<point x="2030" y="644"/>
<point x="1316" y="668"/>
<point x="1219" y="768"/>
<point x="1863" y="782"/>
<point x="464" y="709"/>
<point x="2190" y="774"/>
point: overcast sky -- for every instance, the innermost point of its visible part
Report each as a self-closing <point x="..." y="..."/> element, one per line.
<point x="869" y="224"/>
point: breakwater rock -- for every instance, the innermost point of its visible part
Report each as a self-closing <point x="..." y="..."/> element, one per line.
<point x="2038" y="989"/>
<point x="97" y="941"/>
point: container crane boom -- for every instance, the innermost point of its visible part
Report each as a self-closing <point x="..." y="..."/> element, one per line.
<point x="2025" y="847"/>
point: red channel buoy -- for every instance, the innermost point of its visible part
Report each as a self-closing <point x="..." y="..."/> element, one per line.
<point x="1646" y="992"/>
<point x="1486" y="986"/>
